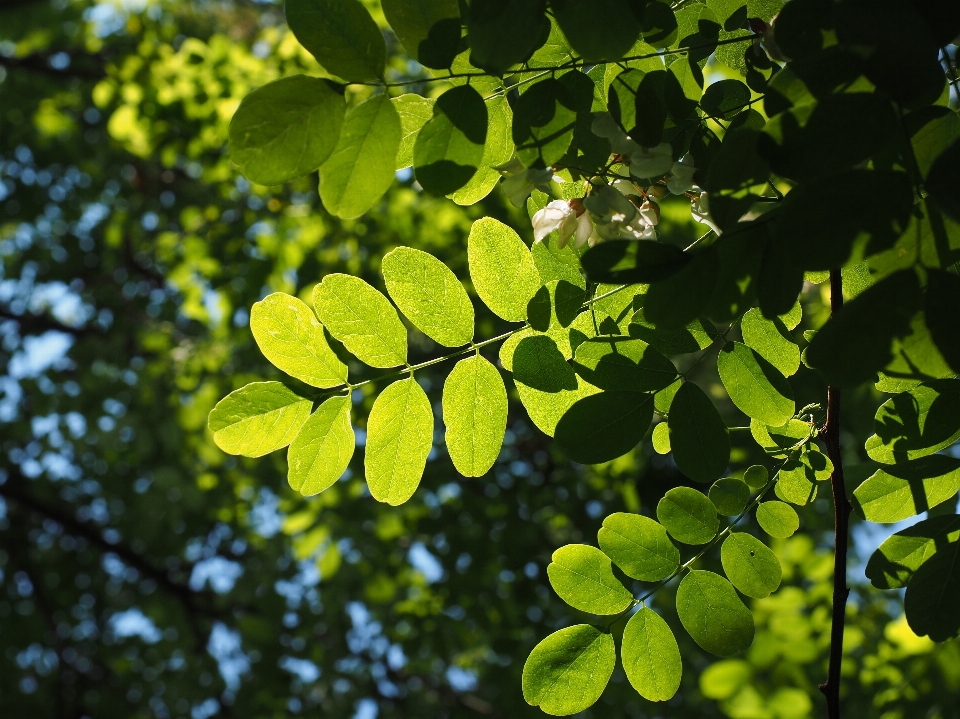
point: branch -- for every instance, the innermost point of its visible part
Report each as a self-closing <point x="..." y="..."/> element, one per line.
<point x="40" y="64"/>
<point x="841" y="508"/>
<point x="31" y="324"/>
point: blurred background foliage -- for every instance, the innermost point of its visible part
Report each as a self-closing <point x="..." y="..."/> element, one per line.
<point x="143" y="573"/>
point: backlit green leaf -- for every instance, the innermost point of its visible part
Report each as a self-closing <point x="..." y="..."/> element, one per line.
<point x="796" y="483"/>
<point x="501" y="268"/>
<point x="621" y="363"/>
<point x="475" y="413"/>
<point x="399" y="438"/>
<point x="896" y="492"/>
<point x="694" y="337"/>
<point x="414" y="111"/>
<point x="651" y="657"/>
<point x="341" y="35"/>
<point x="286" y="128"/>
<point x="430" y="295"/>
<point x="581" y="576"/>
<point x="712" y="613"/>
<point x="750" y="565"/>
<point x="497" y="150"/>
<point x="916" y="423"/>
<point x="604" y="426"/>
<point x="688" y="515"/>
<point x="289" y="335"/>
<point x="362" y="318"/>
<point x="779" y="441"/>
<point x="756" y="476"/>
<point x="543" y="123"/>
<point x="323" y="449"/>
<point x="930" y="602"/>
<point x="777" y="519"/>
<point x="661" y="437"/>
<point x="362" y="165"/>
<point x="698" y="436"/>
<point x="257" y="419"/>
<point x="639" y="546"/>
<point x="729" y="495"/>
<point x="428" y="29"/>
<point x="449" y="147"/>
<point x="770" y="339"/>
<point x="568" y="671"/>
<point x="757" y="387"/>
<point x="554" y="305"/>
<point x="892" y="565"/>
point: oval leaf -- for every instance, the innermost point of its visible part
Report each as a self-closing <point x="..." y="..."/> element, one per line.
<point x="414" y="111"/>
<point x="568" y="671"/>
<point x="757" y="387"/>
<point x="362" y="165"/>
<point x="581" y="576"/>
<point x="286" y="129"/>
<point x="362" y="318"/>
<point x="771" y="340"/>
<point x="892" y="565"/>
<point x="899" y="491"/>
<point x="428" y="29"/>
<point x="621" y="363"/>
<point x="688" y="515"/>
<point x="930" y="602"/>
<point x="502" y="269"/>
<point x="322" y="451"/>
<point x="639" y="546"/>
<point x="399" y="438"/>
<point x="651" y="657"/>
<point x="604" y="426"/>
<point x="698" y="436"/>
<point x="916" y="423"/>
<point x="258" y="419"/>
<point x="712" y="613"/>
<point x="449" y="148"/>
<point x="750" y="565"/>
<point x="341" y="35"/>
<point x="288" y="334"/>
<point x="777" y="519"/>
<point x="475" y="413"/>
<point x="729" y="495"/>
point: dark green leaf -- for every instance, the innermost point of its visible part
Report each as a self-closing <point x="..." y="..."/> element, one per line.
<point x="916" y="423"/>
<point x="449" y="147"/>
<point x="725" y="98"/>
<point x="503" y="33"/>
<point x="604" y="426"/>
<point x="620" y="363"/>
<point x="712" y="613"/>
<point x="627" y="262"/>
<point x="750" y="565"/>
<point x="930" y="602"/>
<point x="543" y="123"/>
<point x="341" y="35"/>
<point x="777" y="519"/>
<point x="799" y="30"/>
<point x="659" y="25"/>
<point x="678" y="300"/>
<point x="780" y="282"/>
<point x="590" y="31"/>
<point x="943" y="182"/>
<point x="899" y="491"/>
<point x="902" y="554"/>
<point x="651" y="657"/>
<point x="688" y="515"/>
<point x="756" y="476"/>
<point x="729" y="495"/>
<point x="943" y="320"/>
<point x="698" y="436"/>
<point x="568" y="671"/>
<point x="639" y="546"/>
<point x="740" y="254"/>
<point x="582" y="577"/>
<point x="756" y="387"/>
<point x="428" y="29"/>
<point x="694" y="337"/>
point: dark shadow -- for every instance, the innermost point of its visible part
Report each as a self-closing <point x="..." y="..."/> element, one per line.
<point x="538" y="363"/>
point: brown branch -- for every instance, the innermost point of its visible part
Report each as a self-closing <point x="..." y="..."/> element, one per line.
<point x="841" y="508"/>
<point x="31" y="324"/>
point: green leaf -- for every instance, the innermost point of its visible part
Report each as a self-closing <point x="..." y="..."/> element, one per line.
<point x="341" y="35"/>
<point x="502" y="34"/>
<point x="543" y="121"/>
<point x="320" y="454"/>
<point x="678" y="300"/>
<point x="590" y="31"/>
<point x="497" y="151"/>
<point x="414" y="112"/>
<point x="819" y="465"/>
<point x="771" y="340"/>
<point x="430" y="295"/>
<point x="698" y="436"/>
<point x="362" y="166"/>
<point x="449" y="147"/>
<point x="902" y="554"/>
<point x="725" y="98"/>
<point x="288" y="334"/>
<point x="399" y="438"/>
<point x="740" y="254"/>
<point x="883" y="199"/>
<point x="899" y="491"/>
<point x="931" y="130"/>
<point x="362" y="318"/>
<point x="639" y="546"/>
<point x="799" y="28"/>
<point x="750" y="565"/>
<point x="712" y="613"/>
<point x="428" y="29"/>
<point x="555" y="305"/>
<point x="501" y="268"/>
<point x="627" y="261"/>
<point x="916" y="423"/>
<point x="621" y="363"/>
<point x="696" y="336"/>
<point x="940" y="303"/>
<point x="604" y="426"/>
<point x="795" y="483"/>
<point x="756" y="387"/>
<point x="792" y="318"/>
<point x="777" y="519"/>
<point x="257" y="419"/>
<point x="547" y="385"/>
<point x="688" y="515"/>
<point x="930" y="602"/>
<point x="582" y="577"/>
<point x="756" y="476"/>
<point x="661" y="437"/>
<point x="286" y="128"/>
<point x="568" y="671"/>
<point x="651" y="657"/>
<point x="856" y="342"/>
<point x="778" y="441"/>
<point x="729" y="495"/>
<point x="475" y="413"/>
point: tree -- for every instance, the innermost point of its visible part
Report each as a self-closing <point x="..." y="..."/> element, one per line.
<point x="161" y="98"/>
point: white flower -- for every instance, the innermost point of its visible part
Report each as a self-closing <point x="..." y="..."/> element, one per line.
<point x="584" y="230"/>
<point x="700" y="209"/>
<point x="616" y="218"/>
<point x="681" y="176"/>
<point x="650" y="213"/>
<point x="558" y="214"/>
<point x="605" y="126"/>
<point x="651" y="161"/>
<point x="519" y="181"/>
